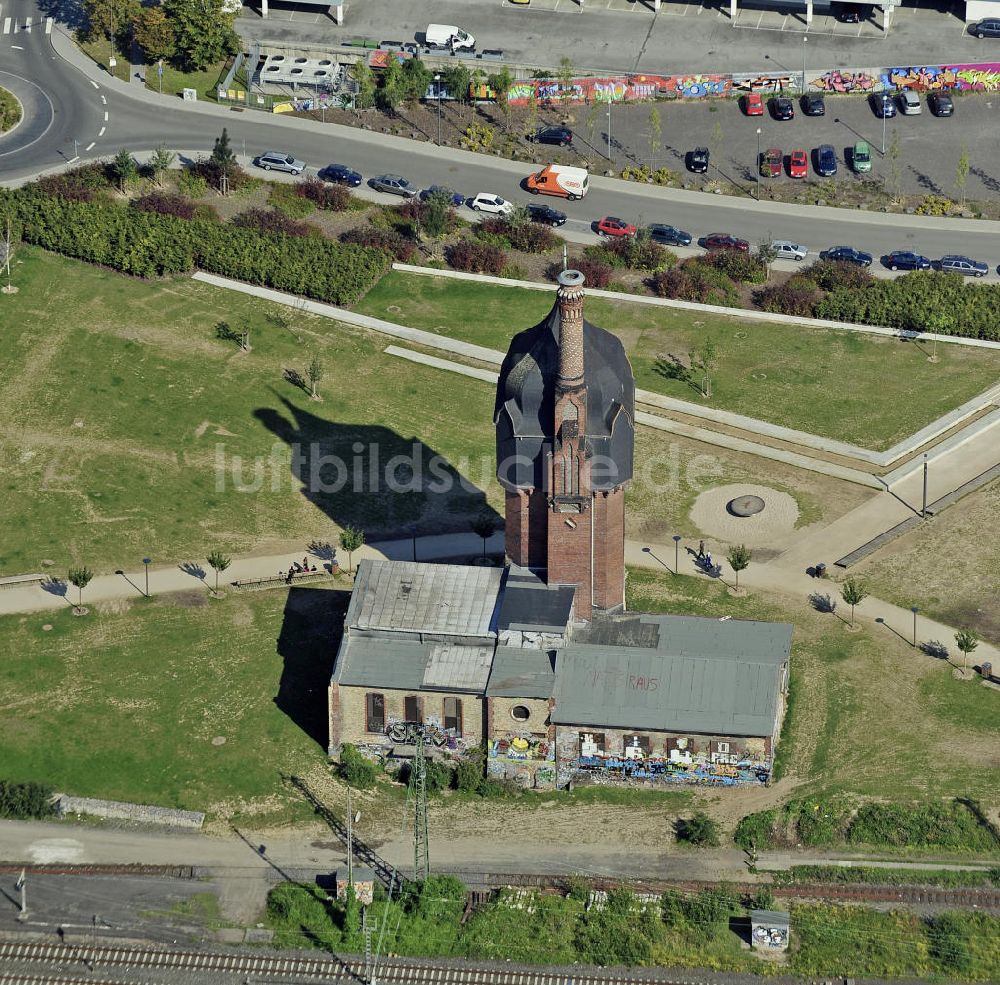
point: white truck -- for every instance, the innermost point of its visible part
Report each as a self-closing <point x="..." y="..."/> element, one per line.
<point x="448" y="36"/>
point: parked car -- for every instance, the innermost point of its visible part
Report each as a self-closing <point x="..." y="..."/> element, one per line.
<point x="798" y="164"/>
<point x="861" y="157"/>
<point x="456" y="198"/>
<point x="941" y="104"/>
<point x="785" y="249"/>
<point x="955" y="264"/>
<point x="909" y="102"/>
<point x="393" y="184"/>
<point x="847" y="254"/>
<point x="560" y="180"/>
<point x="782" y="108"/>
<point x="851" y="13"/>
<point x="668" y="235"/>
<point x="826" y="161"/>
<point x="546" y="215"/>
<point x="905" y="260"/>
<point x="723" y="241"/>
<point x="813" y="104"/>
<point x="610" y="226"/>
<point x="697" y="160"/>
<point x="770" y="162"/>
<point x="753" y="105"/>
<point x="882" y="105"/>
<point x="487" y="202"/>
<point x="987" y="28"/>
<point x="340" y="174"/>
<point x="562" y="136"/>
<point x="273" y="160"/>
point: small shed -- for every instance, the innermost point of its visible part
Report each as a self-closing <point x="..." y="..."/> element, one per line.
<point x="769" y="930"/>
<point x="364" y="884"/>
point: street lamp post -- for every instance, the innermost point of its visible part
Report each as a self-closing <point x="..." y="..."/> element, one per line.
<point x="147" y="561"/>
<point x="437" y="87"/>
<point x="610" y="150"/>
<point x="883" y="129"/>
<point x="677" y="554"/>
<point x="914" y="610"/>
<point x="805" y="41"/>
<point x="757" y="164"/>
<point x="923" y="508"/>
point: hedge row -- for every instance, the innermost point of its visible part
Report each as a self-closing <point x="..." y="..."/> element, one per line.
<point x="148" y="244"/>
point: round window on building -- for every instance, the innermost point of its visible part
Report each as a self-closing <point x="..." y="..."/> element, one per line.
<point x="520" y="713"/>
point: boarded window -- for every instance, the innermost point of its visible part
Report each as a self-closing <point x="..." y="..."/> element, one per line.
<point x="636" y="746"/>
<point x="375" y="712"/>
<point x="413" y="708"/>
<point x="453" y="715"/>
<point x="591" y="743"/>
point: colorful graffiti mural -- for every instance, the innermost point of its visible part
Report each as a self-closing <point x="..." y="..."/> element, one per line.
<point x="522" y="747"/>
<point x="631" y="88"/>
<point x="846" y="81"/>
<point x="975" y="77"/>
<point x="408" y="734"/>
<point x="764" y="83"/>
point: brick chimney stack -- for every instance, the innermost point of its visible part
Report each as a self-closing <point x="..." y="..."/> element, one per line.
<point x="570" y="299"/>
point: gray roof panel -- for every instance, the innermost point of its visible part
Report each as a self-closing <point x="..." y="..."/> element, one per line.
<point x="521" y="673"/>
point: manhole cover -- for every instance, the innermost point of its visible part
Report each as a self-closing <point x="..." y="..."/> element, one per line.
<point x="745" y="505"/>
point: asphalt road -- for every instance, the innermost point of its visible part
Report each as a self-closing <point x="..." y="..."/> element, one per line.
<point x="105" y="116"/>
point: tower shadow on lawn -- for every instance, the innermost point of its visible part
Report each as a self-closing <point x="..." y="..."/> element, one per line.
<point x="370" y="477"/>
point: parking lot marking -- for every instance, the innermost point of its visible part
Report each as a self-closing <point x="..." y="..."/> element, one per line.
<point x="6" y="25"/>
<point x="27" y="24"/>
<point x="91" y="144"/>
<point x="101" y="132"/>
<point x="48" y="25"/>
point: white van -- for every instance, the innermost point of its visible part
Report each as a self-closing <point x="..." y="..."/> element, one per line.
<point x="560" y="180"/>
<point x="448" y="36"/>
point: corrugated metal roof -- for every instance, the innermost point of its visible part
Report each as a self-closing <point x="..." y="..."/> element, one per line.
<point x="458" y="668"/>
<point x="536" y="607"/>
<point x="366" y="661"/>
<point x="521" y="673"/>
<point x="449" y="599"/>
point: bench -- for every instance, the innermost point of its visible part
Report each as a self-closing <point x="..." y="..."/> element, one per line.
<point x="16" y="581"/>
<point x="276" y="581"/>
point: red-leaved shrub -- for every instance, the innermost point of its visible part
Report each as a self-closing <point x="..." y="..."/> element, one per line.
<point x="388" y="240"/>
<point x="166" y="203"/>
<point x="272" y="221"/>
<point x="332" y="198"/>
<point x="797" y="296"/>
<point x="476" y="258"/>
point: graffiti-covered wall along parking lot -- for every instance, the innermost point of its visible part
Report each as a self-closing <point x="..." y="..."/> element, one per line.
<point x="973" y="77"/>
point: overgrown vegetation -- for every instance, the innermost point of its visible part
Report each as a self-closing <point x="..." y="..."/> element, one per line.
<point x="10" y="111"/>
<point x="868" y="875"/>
<point x="24" y="801"/>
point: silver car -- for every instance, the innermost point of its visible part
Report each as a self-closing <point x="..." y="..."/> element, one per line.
<point x="909" y="101"/>
<point x="393" y="184"/>
<point x="273" y="160"/>
<point x="785" y="249"/>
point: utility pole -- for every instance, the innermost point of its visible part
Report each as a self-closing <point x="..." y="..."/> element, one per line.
<point x="367" y="927"/>
<point x="923" y="509"/>
<point x="350" y="841"/>
<point x="421" y="854"/>
<point x="21" y="884"/>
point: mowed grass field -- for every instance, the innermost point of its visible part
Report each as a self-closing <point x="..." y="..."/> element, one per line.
<point x="129" y="430"/>
<point x="864" y="389"/>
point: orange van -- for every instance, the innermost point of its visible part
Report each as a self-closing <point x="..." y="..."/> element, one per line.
<point x="560" y="180"/>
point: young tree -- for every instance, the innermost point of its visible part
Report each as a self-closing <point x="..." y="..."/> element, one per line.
<point x="853" y="593"/>
<point x="501" y="83"/>
<point x="484" y="526"/>
<point x="590" y="122"/>
<point x="739" y="558"/>
<point x="314" y="373"/>
<point x="390" y="93"/>
<point x="654" y="134"/>
<point x="365" y="79"/>
<point x="437" y="212"/>
<point x="224" y="158"/>
<point x="415" y="79"/>
<point x="351" y="539"/>
<point x="767" y="254"/>
<point x="703" y="360"/>
<point x="203" y="32"/>
<point x="962" y="172"/>
<point x="565" y="74"/>
<point x="161" y="161"/>
<point x="125" y="168"/>
<point x="154" y="33"/>
<point x="80" y="578"/>
<point x="218" y="562"/>
<point x="966" y="640"/>
<point x="456" y="79"/>
<point x="894" y="172"/>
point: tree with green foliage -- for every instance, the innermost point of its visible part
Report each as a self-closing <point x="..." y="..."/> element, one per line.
<point x="484" y="526"/>
<point x="107" y="16"/>
<point x="223" y="160"/>
<point x="365" y="80"/>
<point x="203" y="32"/>
<point x="436" y="214"/>
<point x="218" y="562"/>
<point x="962" y="172"/>
<point x="654" y="134"/>
<point x="356" y="769"/>
<point x="699" y="829"/>
<point x="154" y="33"/>
<point x="966" y="640"/>
<point x="351" y="539"/>
<point x="456" y="79"/>
<point x="160" y="161"/>
<point x="390" y="91"/>
<point x="739" y="558"/>
<point x="125" y="169"/>
<point x="415" y="79"/>
<point x="703" y="360"/>
<point x="566" y="73"/>
<point x="314" y="374"/>
<point x="80" y="578"/>
<point x="500" y="83"/>
<point x="853" y="592"/>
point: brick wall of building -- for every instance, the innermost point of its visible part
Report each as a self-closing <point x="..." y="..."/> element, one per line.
<point x="609" y="549"/>
<point x="526" y="528"/>
<point x="521" y="749"/>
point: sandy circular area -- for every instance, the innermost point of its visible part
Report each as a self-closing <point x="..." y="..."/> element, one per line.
<point x="778" y="517"/>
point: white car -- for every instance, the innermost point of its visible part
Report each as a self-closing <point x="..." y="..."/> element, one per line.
<point x="909" y="101"/>
<point x="786" y="250"/>
<point x="484" y="202"/>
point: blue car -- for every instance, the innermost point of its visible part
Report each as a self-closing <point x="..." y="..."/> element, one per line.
<point x="826" y="161"/>
<point x="882" y="105"/>
<point x="905" y="260"/>
<point x="340" y="174"/>
<point x="456" y="198"/>
<point x="847" y="254"/>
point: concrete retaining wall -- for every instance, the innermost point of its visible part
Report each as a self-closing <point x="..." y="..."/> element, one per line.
<point x="120" y="811"/>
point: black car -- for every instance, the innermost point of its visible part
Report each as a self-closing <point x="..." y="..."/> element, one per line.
<point x="813" y="104"/>
<point x="562" y="136"/>
<point x="546" y="215"/>
<point x="697" y="160"/>
<point x="882" y="105"/>
<point x="782" y="108"/>
<point x="941" y="104"/>
<point x="826" y="161"/>
<point x="340" y="174"/>
<point x="456" y="198"/>
<point x="988" y="28"/>
<point x="847" y="254"/>
<point x="668" y="235"/>
<point x="905" y="260"/>
<point x="852" y="13"/>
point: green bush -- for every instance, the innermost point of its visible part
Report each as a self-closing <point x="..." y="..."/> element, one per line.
<point x="618" y="933"/>
<point x="437" y="775"/>
<point x="191" y="184"/>
<point x="743" y="267"/>
<point x="355" y="769"/>
<point x="796" y="296"/>
<point x="831" y="275"/>
<point x="469" y="772"/>
<point x="288" y="199"/>
<point x="948" y="943"/>
<point x="699" y="829"/>
<point x="953" y="824"/>
<point x="25" y="800"/>
<point x="756" y="830"/>
<point x="693" y="280"/>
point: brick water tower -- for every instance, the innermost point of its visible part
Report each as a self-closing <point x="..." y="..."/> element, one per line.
<point x="565" y="424"/>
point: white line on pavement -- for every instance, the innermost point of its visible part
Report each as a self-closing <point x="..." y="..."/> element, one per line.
<point x="27" y="24"/>
<point x="105" y="116"/>
<point x="104" y="99"/>
<point x="6" y="25"/>
<point x="17" y="47"/>
<point x="91" y="144"/>
<point x="101" y="133"/>
<point x="48" y="25"/>
<point x="94" y="84"/>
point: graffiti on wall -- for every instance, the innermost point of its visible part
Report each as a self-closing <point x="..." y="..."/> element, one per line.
<point x="522" y="747"/>
<point x="630" y="88"/>
<point x="846" y="81"/>
<point x="409" y="733"/>
<point x="977" y="77"/>
<point x="764" y="83"/>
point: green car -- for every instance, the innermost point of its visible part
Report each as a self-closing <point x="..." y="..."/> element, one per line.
<point x="861" y="158"/>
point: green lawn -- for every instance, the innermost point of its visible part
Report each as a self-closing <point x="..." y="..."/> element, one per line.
<point x="10" y="111"/>
<point x="176" y="81"/>
<point x="863" y="389"/>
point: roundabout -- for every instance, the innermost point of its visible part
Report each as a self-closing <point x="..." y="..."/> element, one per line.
<point x="37" y="114"/>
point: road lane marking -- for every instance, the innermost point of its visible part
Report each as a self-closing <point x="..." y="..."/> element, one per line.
<point x="105" y="116"/>
<point x="91" y="144"/>
<point x="27" y="24"/>
<point x="94" y="84"/>
<point x="17" y="47"/>
<point x="48" y="25"/>
<point x="6" y="25"/>
<point x="104" y="99"/>
<point x="101" y="134"/>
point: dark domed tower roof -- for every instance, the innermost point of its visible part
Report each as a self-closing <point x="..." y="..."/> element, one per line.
<point x="525" y="402"/>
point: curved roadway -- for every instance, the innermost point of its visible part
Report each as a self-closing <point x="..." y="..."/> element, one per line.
<point x="104" y="114"/>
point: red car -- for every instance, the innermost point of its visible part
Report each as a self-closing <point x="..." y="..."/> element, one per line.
<point x="798" y="164"/>
<point x="610" y="226"/>
<point x="770" y="163"/>
<point x="723" y="241"/>
<point x="753" y="105"/>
